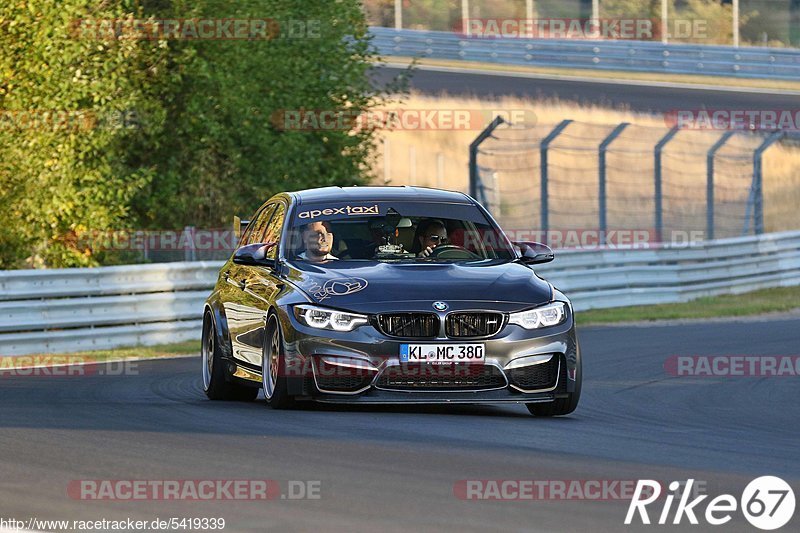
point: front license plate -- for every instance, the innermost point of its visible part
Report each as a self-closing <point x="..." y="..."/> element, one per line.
<point x="442" y="353"/>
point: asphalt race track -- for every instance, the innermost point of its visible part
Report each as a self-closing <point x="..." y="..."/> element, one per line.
<point x="394" y="469"/>
<point x="636" y="97"/>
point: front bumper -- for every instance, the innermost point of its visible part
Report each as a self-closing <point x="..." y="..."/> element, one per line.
<point x="353" y="367"/>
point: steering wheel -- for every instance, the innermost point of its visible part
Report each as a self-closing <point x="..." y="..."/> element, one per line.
<point x="452" y="251"/>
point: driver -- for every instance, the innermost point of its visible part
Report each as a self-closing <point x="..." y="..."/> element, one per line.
<point x="318" y="239"/>
<point x="430" y="234"/>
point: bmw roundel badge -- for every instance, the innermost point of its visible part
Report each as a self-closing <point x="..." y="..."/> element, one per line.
<point x="440" y="306"/>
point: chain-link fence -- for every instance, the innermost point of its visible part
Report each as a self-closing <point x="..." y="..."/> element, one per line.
<point x="578" y="184"/>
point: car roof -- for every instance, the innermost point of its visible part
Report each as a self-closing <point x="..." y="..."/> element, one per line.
<point x="367" y="194"/>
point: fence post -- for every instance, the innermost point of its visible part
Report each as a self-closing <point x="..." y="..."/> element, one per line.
<point x="387" y="162"/>
<point x="603" y="222"/>
<point x="757" y="188"/>
<point x="496" y="210"/>
<point x="543" y="147"/>
<point x="439" y="170"/>
<point x="712" y="152"/>
<point x="659" y="208"/>
<point x="412" y="165"/>
<point x="187" y="238"/>
<point x="398" y="14"/>
<point x="473" y="155"/>
<point x="465" y="15"/>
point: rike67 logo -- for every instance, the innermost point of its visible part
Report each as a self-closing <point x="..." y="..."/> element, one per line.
<point x="767" y="503"/>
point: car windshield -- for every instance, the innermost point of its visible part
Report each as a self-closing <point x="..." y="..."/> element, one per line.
<point x="395" y="232"/>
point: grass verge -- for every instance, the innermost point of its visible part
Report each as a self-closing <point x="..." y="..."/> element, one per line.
<point x="777" y="300"/>
<point x="116" y="354"/>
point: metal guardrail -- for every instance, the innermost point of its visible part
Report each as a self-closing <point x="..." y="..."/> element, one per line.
<point x="77" y="309"/>
<point x="633" y="56"/>
<point x="670" y="274"/>
<point x="69" y="310"/>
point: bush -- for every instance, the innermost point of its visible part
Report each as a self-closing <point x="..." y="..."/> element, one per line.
<point x="63" y="164"/>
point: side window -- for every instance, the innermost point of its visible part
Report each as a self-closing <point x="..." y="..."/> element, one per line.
<point x="256" y="229"/>
<point x="272" y="233"/>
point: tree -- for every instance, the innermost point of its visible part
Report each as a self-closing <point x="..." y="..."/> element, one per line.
<point x="161" y="133"/>
<point x="221" y="152"/>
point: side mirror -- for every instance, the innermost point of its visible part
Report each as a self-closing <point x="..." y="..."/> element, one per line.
<point x="534" y="253"/>
<point x="393" y="218"/>
<point x="254" y="254"/>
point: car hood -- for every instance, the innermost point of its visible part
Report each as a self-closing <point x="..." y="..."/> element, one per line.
<point x="373" y="287"/>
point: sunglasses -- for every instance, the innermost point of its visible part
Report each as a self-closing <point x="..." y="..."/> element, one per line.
<point x="436" y="238"/>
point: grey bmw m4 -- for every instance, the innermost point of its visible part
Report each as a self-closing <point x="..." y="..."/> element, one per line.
<point x="387" y="295"/>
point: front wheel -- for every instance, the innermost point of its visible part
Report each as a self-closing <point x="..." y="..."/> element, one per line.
<point x="273" y="375"/>
<point x="215" y="385"/>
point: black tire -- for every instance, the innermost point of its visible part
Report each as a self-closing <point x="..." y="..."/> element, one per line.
<point x="215" y="385"/>
<point x="273" y="374"/>
<point x="561" y="406"/>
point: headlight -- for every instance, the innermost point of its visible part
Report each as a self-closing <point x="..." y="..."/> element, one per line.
<point x="321" y="318"/>
<point x="541" y="317"/>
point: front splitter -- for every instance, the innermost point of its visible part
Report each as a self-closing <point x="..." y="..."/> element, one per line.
<point x="436" y="397"/>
